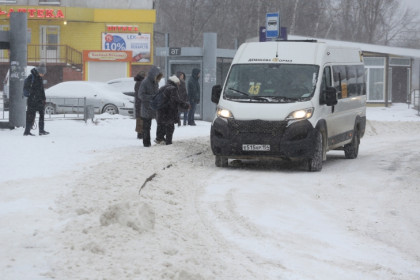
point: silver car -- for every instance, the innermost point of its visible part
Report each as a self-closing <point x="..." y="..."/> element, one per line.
<point x="125" y="85"/>
<point x="74" y="96"/>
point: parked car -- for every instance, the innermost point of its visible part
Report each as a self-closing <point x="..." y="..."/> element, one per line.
<point x="68" y="97"/>
<point x="125" y="85"/>
<point x="6" y="85"/>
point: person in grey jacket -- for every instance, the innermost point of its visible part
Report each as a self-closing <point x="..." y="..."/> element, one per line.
<point x="193" y="88"/>
<point x="148" y="88"/>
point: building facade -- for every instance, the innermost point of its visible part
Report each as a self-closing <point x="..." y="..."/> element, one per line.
<point x="61" y="31"/>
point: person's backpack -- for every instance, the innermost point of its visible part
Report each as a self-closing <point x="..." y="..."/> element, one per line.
<point x="27" y="86"/>
<point x="160" y="100"/>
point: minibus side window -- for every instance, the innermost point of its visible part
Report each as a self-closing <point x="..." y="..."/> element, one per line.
<point x="352" y="86"/>
<point x="361" y="81"/>
<point x="326" y="82"/>
<point x="340" y="81"/>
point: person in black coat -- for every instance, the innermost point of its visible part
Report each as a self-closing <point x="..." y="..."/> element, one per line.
<point x="148" y="88"/>
<point x="168" y="116"/>
<point x="36" y="100"/>
<point x="193" y="88"/>
<point x="137" y="104"/>
<point x="182" y="92"/>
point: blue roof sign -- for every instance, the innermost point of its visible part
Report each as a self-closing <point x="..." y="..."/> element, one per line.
<point x="272" y="25"/>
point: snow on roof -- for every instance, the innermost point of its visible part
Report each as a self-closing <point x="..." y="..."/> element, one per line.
<point x="413" y="53"/>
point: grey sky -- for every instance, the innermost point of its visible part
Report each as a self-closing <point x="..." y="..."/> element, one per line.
<point x="412" y="3"/>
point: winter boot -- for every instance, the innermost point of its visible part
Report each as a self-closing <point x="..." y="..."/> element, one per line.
<point x="146" y="139"/>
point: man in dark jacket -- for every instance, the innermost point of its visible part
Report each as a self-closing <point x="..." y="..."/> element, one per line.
<point x="193" y="88"/>
<point x="168" y="116"/>
<point x="182" y="92"/>
<point x="148" y="88"/>
<point x="137" y="104"/>
<point x="36" y="100"/>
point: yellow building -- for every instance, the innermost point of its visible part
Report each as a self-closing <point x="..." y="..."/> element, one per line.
<point x="59" y="35"/>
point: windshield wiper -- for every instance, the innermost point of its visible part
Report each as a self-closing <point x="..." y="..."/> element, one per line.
<point x="238" y="91"/>
<point x="261" y="98"/>
<point x="251" y="97"/>
<point x="285" y="98"/>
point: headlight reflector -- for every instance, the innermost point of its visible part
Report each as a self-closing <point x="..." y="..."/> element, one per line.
<point x="224" y="113"/>
<point x="301" y="114"/>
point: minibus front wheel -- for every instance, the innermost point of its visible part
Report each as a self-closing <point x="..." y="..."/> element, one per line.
<point x="221" y="161"/>
<point x="314" y="163"/>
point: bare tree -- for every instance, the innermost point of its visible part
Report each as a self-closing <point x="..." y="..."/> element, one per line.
<point x="373" y="21"/>
<point x="370" y="21"/>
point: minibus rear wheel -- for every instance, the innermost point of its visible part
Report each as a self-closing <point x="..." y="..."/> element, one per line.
<point x="352" y="150"/>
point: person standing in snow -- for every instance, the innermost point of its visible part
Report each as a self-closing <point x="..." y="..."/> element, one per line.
<point x="193" y="88"/>
<point x="182" y="92"/>
<point x="36" y="100"/>
<point x="169" y="115"/>
<point x="148" y="88"/>
<point x="137" y="104"/>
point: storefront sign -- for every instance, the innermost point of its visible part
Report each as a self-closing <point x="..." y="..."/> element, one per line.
<point x="174" y="51"/>
<point x="107" y="56"/>
<point x="138" y="44"/>
<point x="35" y="13"/>
<point x="122" y="28"/>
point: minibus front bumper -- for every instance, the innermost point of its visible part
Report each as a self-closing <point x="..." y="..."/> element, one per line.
<point x="258" y="138"/>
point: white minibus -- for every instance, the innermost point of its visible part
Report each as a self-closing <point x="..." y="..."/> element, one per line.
<point x="293" y="100"/>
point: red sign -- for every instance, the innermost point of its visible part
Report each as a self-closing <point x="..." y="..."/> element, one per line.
<point x="36" y="13"/>
<point x="122" y="28"/>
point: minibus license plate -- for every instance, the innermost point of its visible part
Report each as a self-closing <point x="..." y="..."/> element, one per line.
<point x="254" y="147"/>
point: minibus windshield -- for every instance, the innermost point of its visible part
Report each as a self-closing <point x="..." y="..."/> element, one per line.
<point x="271" y="82"/>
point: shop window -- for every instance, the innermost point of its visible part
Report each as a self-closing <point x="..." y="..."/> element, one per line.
<point x="374" y="61"/>
<point x="399" y="62"/>
<point x="376" y="84"/>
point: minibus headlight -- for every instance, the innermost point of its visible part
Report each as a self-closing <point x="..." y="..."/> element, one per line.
<point x="224" y="113"/>
<point x="301" y="114"/>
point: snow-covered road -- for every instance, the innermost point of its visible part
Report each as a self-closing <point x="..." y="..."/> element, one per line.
<point x="356" y="219"/>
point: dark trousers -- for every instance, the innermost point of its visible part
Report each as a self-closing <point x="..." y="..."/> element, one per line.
<point x="191" y="113"/>
<point x="160" y="132"/>
<point x="165" y="132"/>
<point x="30" y="119"/>
<point x="147" y="124"/>
<point x="185" y="117"/>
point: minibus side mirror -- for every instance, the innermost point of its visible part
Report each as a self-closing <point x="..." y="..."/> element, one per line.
<point x="216" y="91"/>
<point x="331" y="96"/>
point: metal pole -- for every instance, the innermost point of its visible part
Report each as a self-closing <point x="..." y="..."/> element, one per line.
<point x="166" y="55"/>
<point x="18" y="62"/>
<point x="387" y="77"/>
<point x="209" y="74"/>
